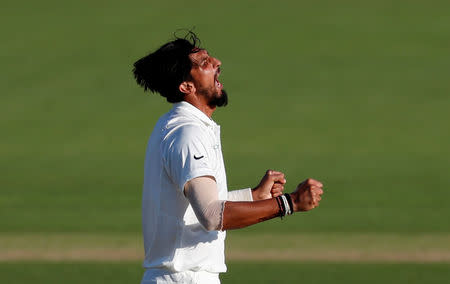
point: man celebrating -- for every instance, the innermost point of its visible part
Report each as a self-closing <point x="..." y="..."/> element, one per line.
<point x="186" y="206"/>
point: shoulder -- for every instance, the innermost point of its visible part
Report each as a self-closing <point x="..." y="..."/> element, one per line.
<point x="184" y="126"/>
<point x="185" y="132"/>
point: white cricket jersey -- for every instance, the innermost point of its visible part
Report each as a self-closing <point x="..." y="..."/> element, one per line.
<point x="184" y="144"/>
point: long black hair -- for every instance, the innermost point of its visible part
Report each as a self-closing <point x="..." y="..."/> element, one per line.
<point x="165" y="69"/>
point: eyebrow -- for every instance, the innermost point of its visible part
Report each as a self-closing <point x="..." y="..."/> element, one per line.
<point x="203" y="58"/>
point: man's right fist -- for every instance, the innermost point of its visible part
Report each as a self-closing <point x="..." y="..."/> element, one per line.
<point x="307" y="195"/>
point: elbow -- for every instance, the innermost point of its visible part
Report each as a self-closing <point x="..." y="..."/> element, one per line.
<point x="211" y="217"/>
<point x="209" y="226"/>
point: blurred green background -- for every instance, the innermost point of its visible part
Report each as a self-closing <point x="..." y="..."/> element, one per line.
<point x="353" y="93"/>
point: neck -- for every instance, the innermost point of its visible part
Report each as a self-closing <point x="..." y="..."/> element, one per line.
<point x="202" y="105"/>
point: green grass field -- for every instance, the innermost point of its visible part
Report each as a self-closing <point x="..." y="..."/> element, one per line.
<point x="353" y="93"/>
<point x="239" y="272"/>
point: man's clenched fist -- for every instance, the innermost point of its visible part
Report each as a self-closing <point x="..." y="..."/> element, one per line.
<point x="307" y="195"/>
<point x="271" y="185"/>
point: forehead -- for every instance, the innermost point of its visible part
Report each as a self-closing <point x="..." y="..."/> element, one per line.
<point x="198" y="55"/>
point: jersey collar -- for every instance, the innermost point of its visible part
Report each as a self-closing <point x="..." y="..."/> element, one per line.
<point x="192" y="110"/>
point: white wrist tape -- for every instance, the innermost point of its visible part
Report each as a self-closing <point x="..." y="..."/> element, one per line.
<point x="203" y="196"/>
<point x="286" y="206"/>
<point x="240" y="195"/>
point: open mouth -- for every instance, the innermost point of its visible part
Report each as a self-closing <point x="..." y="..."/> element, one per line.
<point x="216" y="79"/>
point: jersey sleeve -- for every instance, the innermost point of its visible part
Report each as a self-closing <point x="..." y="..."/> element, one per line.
<point x="240" y="195"/>
<point x="188" y="153"/>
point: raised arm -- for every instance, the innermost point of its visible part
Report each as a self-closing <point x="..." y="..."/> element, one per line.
<point x="271" y="185"/>
<point x="242" y="214"/>
<point x="216" y="214"/>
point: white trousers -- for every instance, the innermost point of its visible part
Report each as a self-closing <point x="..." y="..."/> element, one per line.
<point x="160" y="276"/>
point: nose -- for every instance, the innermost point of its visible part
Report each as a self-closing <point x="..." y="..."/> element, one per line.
<point x="217" y="62"/>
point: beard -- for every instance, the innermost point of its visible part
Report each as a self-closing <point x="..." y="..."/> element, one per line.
<point x="219" y="100"/>
<point x="214" y="98"/>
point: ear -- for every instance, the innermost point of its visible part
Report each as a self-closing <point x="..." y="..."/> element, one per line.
<point x="186" y="87"/>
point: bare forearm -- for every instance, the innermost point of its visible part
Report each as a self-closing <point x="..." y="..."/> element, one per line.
<point x="216" y="214"/>
<point x="242" y="214"/>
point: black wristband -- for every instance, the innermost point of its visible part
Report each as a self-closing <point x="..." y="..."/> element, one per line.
<point x="280" y="207"/>
<point x="283" y="206"/>
<point x="289" y="199"/>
